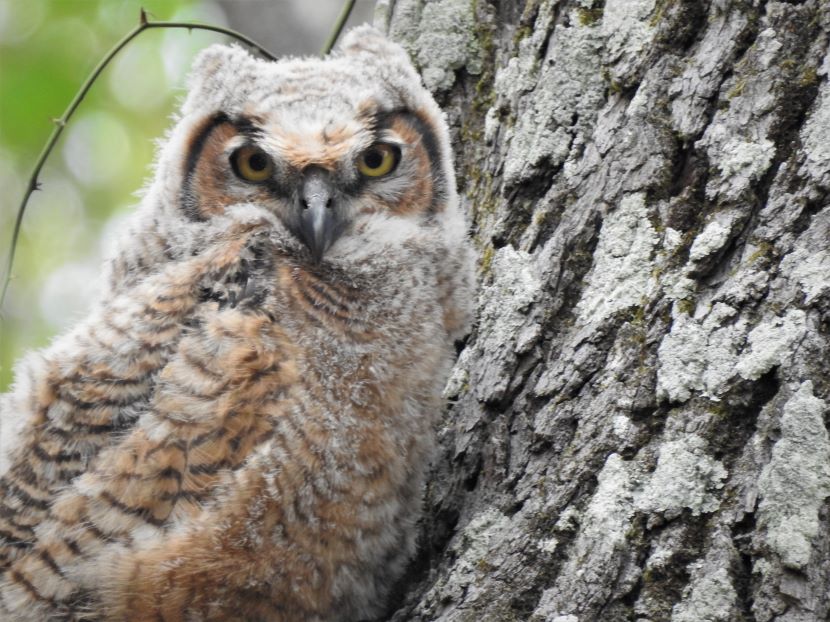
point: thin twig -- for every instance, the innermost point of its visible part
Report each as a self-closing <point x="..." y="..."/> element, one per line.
<point x="60" y="123"/>
<point x="338" y="27"/>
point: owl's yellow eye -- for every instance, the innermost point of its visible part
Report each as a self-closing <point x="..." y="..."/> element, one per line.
<point x="252" y="164"/>
<point x="379" y="160"/>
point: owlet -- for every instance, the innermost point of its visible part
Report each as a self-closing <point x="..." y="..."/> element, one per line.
<point x="240" y="428"/>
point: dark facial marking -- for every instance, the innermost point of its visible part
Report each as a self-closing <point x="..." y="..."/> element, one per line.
<point x="384" y="120"/>
<point x="189" y="196"/>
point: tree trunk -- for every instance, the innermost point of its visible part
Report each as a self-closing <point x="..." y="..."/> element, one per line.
<point x="638" y="421"/>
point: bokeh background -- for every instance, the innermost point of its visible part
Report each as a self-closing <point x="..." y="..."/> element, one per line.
<point x="47" y="49"/>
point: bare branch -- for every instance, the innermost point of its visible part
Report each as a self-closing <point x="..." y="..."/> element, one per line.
<point x="60" y="123"/>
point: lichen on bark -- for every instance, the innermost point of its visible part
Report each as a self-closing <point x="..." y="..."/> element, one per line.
<point x="637" y="426"/>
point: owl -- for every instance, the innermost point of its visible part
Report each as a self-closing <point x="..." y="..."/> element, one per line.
<point x="240" y="428"/>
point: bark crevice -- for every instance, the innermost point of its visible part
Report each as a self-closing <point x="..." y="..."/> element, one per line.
<point x="648" y="186"/>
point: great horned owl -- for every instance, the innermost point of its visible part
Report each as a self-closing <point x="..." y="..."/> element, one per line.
<point x="241" y="427"/>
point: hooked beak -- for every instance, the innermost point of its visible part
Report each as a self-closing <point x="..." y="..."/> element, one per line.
<point x="318" y="217"/>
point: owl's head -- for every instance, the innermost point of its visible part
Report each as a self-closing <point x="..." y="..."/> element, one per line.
<point x="350" y="153"/>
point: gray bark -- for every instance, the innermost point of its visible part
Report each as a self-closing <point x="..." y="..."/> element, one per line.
<point x="638" y="421"/>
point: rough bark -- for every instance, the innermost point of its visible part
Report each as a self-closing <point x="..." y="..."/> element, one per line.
<point x="638" y="421"/>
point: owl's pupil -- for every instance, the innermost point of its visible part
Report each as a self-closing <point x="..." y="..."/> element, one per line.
<point x="373" y="159"/>
<point x="258" y="162"/>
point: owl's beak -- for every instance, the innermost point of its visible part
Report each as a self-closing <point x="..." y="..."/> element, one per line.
<point x="319" y="218"/>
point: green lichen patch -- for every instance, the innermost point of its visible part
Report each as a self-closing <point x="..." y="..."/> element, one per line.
<point x="589" y="17"/>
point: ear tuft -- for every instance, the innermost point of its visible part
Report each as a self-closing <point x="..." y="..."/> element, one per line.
<point x="367" y="39"/>
<point x="217" y="58"/>
<point x="215" y="70"/>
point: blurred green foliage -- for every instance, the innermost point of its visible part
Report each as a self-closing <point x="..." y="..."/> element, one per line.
<point x="47" y="49"/>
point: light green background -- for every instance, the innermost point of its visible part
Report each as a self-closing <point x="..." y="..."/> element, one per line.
<point x="47" y="48"/>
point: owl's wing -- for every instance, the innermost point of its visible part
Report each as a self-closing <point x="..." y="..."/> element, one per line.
<point x="88" y="390"/>
<point x="167" y="510"/>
